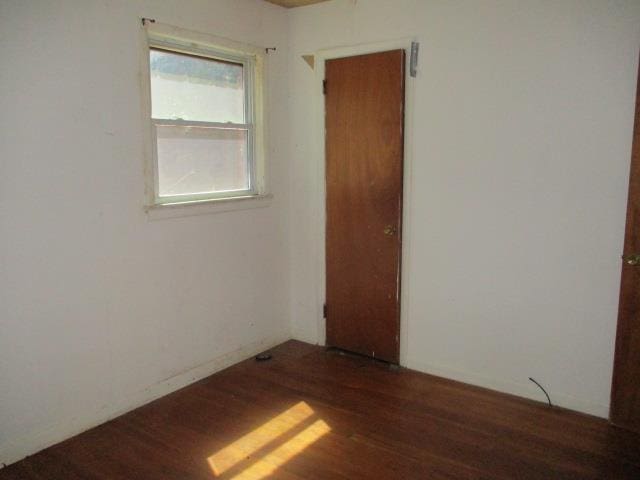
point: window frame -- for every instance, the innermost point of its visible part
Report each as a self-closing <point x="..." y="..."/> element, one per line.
<point x="179" y="41"/>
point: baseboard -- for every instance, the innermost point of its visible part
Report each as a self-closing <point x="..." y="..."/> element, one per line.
<point x="526" y="390"/>
<point x="16" y="449"/>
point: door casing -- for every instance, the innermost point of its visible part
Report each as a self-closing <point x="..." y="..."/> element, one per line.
<point x="319" y="197"/>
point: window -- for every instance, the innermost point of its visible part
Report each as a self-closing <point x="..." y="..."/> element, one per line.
<point x="204" y="114"/>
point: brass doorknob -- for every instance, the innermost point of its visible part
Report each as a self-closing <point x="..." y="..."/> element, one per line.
<point x="632" y="259"/>
<point x="389" y="230"/>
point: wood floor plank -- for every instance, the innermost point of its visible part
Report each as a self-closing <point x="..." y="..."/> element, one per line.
<point x="312" y="414"/>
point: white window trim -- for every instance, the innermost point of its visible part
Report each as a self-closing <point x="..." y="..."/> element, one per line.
<point x="181" y="40"/>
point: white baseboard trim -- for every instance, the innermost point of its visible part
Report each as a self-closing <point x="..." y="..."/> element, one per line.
<point x="527" y="390"/>
<point x="16" y="449"/>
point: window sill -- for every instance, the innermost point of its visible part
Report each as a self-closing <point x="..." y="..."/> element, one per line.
<point x="204" y="207"/>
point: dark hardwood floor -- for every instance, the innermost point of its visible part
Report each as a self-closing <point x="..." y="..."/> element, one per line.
<point x="315" y="414"/>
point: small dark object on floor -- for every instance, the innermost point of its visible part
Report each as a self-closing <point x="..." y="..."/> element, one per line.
<point x="263" y="357"/>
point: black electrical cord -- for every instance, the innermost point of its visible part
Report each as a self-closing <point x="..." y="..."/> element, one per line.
<point x="542" y="388"/>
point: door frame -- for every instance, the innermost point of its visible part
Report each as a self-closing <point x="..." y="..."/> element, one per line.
<point x="320" y="197"/>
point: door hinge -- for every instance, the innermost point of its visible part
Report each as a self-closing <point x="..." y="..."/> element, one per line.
<point x="324" y="87"/>
<point x="413" y="59"/>
<point x="324" y="311"/>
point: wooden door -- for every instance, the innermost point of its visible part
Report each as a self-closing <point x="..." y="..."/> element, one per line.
<point x="364" y="119"/>
<point x="625" y="391"/>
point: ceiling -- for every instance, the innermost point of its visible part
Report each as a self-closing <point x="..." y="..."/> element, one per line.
<point x="294" y="3"/>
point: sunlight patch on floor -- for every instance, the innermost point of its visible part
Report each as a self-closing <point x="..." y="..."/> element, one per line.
<point x="280" y="439"/>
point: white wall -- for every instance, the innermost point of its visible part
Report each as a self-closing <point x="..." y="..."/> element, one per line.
<point x="101" y="308"/>
<point x="522" y="122"/>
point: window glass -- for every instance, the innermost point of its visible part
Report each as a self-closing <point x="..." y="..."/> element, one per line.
<point x="204" y="143"/>
<point x="196" y="160"/>
<point x="188" y="87"/>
